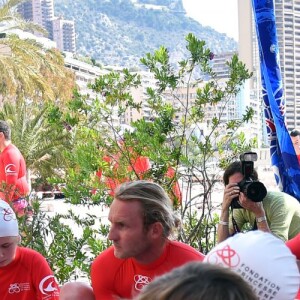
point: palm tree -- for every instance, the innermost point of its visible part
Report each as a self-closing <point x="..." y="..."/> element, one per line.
<point x="28" y="70"/>
<point x="41" y="143"/>
<point x="11" y="19"/>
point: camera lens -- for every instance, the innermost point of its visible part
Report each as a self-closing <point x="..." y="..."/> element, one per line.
<point x="255" y="191"/>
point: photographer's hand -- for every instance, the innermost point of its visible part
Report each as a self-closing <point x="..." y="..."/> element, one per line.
<point x="230" y="192"/>
<point x="255" y="207"/>
<point x="258" y="210"/>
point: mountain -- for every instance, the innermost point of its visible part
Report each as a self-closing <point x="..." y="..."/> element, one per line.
<point x="120" y="32"/>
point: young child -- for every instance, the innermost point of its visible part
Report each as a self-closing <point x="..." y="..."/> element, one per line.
<point x="24" y="273"/>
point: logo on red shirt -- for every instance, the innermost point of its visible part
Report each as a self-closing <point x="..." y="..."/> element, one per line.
<point x="16" y="288"/>
<point x="10" y="169"/>
<point x="46" y="285"/>
<point x="141" y="281"/>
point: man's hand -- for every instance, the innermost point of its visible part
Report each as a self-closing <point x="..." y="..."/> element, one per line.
<point x="255" y="207"/>
<point x="230" y="192"/>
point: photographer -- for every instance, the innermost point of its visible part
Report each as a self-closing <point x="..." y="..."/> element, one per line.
<point x="276" y="212"/>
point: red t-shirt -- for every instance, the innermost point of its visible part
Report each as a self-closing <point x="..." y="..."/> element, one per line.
<point x="125" y="278"/>
<point x="13" y="174"/>
<point x="294" y="245"/>
<point x="28" y="277"/>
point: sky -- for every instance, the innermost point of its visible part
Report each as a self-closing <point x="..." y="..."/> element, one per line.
<point x="222" y="15"/>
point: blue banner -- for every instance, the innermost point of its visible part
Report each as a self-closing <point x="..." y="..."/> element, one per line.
<point x="283" y="157"/>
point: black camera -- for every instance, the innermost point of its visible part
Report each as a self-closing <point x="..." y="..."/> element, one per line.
<point x="253" y="189"/>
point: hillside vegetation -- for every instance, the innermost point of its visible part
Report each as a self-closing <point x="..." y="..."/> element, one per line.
<point x="120" y="32"/>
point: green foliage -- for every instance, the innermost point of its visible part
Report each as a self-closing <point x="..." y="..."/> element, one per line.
<point x="40" y="140"/>
<point x="104" y="154"/>
<point x="69" y="255"/>
<point x="103" y="148"/>
<point x="206" y="230"/>
<point x="29" y="70"/>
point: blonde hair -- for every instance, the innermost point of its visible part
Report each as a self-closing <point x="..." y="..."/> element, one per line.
<point x="156" y="204"/>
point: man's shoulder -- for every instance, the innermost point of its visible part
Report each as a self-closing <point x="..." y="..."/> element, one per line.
<point x="27" y="251"/>
<point x="280" y="203"/>
<point x="184" y="251"/>
<point x="279" y="197"/>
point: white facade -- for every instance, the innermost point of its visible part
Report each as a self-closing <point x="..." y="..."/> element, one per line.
<point x="84" y="72"/>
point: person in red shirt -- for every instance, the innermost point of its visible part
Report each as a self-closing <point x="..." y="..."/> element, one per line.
<point x="294" y="245"/>
<point x="295" y="137"/>
<point x="142" y="221"/>
<point x="13" y="183"/>
<point x="24" y="273"/>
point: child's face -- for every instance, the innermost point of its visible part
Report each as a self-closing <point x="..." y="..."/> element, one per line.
<point x="8" y="247"/>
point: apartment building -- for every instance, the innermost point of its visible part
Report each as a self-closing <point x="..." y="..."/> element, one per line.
<point x="64" y="34"/>
<point x="219" y="64"/>
<point x="40" y="12"/>
<point x="139" y="97"/>
<point x="287" y="13"/>
<point x="59" y="30"/>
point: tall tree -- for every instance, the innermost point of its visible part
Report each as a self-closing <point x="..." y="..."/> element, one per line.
<point x="102" y="157"/>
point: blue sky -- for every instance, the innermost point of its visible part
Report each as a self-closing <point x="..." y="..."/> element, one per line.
<point x="218" y="14"/>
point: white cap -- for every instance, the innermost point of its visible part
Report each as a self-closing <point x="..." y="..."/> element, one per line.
<point x="8" y="221"/>
<point x="263" y="260"/>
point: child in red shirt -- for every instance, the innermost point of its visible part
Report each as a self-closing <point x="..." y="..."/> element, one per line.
<point x="24" y="273"/>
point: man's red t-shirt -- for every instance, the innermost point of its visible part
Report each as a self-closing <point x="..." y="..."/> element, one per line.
<point x="28" y="277"/>
<point x="12" y="174"/>
<point x="125" y="278"/>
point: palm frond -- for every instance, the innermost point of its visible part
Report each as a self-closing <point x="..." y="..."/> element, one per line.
<point x="41" y="143"/>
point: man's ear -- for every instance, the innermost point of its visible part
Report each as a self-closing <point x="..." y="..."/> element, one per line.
<point x="156" y="230"/>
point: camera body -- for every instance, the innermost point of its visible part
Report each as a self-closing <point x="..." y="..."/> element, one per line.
<point x="253" y="189"/>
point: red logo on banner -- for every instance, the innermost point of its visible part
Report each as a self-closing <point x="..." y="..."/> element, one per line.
<point x="225" y="256"/>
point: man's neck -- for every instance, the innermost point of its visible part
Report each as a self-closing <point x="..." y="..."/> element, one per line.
<point x="153" y="253"/>
<point x="4" y="145"/>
